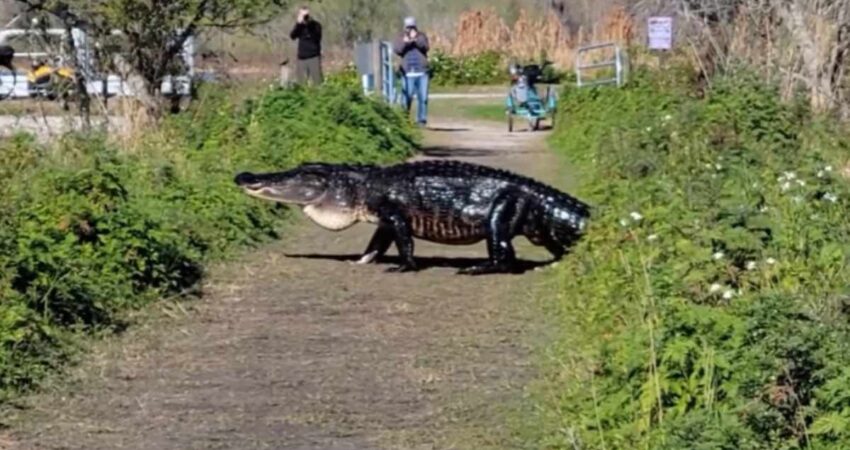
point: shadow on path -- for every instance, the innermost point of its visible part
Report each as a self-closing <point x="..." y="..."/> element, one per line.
<point x="424" y="262"/>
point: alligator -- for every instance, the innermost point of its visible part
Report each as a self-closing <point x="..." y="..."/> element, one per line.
<point x="447" y="202"/>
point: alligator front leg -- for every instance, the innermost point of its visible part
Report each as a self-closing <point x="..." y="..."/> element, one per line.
<point x="378" y="246"/>
<point x="502" y="225"/>
<point x="557" y="250"/>
<point x="391" y="217"/>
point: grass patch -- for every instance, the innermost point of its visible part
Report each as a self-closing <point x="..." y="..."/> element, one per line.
<point x="495" y="112"/>
<point x="707" y="307"/>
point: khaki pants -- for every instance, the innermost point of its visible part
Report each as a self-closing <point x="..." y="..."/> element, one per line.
<point x="309" y="70"/>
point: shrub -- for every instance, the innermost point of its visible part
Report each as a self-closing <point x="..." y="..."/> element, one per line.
<point x="482" y="68"/>
<point x="89" y="231"/>
<point x="707" y="307"/>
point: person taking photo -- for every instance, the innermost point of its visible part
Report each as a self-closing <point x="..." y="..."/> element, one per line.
<point x="412" y="46"/>
<point x="308" y="32"/>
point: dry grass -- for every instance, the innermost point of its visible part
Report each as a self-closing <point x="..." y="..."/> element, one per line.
<point x="532" y="37"/>
<point x="802" y="45"/>
<point x="529" y="36"/>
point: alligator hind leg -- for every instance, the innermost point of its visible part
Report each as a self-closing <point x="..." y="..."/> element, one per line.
<point x="380" y="243"/>
<point x="391" y="218"/>
<point x="502" y="225"/>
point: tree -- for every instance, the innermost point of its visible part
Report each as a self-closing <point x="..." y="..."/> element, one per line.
<point x="153" y="32"/>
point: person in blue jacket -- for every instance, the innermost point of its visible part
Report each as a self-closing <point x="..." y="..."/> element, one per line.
<point x="412" y="46"/>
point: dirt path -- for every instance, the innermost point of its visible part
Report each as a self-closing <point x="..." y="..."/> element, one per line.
<point x="292" y="347"/>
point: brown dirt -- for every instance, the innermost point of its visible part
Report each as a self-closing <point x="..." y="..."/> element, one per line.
<point x="293" y="347"/>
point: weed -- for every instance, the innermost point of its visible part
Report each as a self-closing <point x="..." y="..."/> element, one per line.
<point x="707" y="306"/>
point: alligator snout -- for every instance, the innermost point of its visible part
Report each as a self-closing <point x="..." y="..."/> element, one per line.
<point x="245" y="179"/>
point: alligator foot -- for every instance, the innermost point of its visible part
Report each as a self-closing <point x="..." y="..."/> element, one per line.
<point x="407" y="267"/>
<point x="488" y="268"/>
<point x="368" y="258"/>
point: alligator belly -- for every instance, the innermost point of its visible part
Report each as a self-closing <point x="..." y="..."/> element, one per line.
<point x="445" y="231"/>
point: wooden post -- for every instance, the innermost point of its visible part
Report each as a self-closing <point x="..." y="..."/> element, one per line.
<point x="376" y="66"/>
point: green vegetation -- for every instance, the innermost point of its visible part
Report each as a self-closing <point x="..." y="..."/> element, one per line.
<point x="483" y="68"/>
<point x="486" y="111"/>
<point x="707" y="307"/>
<point x="89" y="231"/>
<point x="486" y="68"/>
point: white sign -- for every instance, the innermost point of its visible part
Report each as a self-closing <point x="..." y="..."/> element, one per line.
<point x="660" y="30"/>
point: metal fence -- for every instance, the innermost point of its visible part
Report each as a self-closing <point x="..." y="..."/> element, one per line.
<point x="617" y="63"/>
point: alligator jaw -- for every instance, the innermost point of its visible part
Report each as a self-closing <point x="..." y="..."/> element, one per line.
<point x="264" y="193"/>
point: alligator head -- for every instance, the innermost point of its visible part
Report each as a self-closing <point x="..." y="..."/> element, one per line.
<point x="327" y="193"/>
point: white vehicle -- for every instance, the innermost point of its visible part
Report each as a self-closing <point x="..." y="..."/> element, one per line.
<point x="49" y="67"/>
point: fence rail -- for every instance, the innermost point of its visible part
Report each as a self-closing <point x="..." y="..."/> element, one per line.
<point x="617" y="64"/>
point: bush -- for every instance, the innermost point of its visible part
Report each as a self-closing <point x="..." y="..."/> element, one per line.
<point x="707" y="307"/>
<point x="483" y="68"/>
<point x="348" y="76"/>
<point x="89" y="231"/>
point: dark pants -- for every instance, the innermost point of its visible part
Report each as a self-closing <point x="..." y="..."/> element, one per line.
<point x="309" y="70"/>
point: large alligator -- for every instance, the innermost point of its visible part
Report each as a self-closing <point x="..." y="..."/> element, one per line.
<point x="448" y="202"/>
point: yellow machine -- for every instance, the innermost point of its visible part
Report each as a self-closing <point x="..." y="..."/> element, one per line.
<point x="51" y="81"/>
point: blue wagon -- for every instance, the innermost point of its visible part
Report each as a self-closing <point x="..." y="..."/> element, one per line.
<point x="524" y="101"/>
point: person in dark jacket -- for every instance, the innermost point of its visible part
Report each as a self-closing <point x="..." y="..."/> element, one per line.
<point x="308" y="32"/>
<point x="412" y="46"/>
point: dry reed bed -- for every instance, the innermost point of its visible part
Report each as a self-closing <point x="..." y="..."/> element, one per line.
<point x="529" y="38"/>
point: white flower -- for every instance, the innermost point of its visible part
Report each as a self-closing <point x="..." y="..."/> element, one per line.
<point x="790" y="175"/>
<point x="785" y="186"/>
<point x="770" y="261"/>
<point x="801" y="182"/>
<point x="648" y="129"/>
<point x="718" y="167"/>
<point x="828" y="168"/>
<point x="667" y="117"/>
<point x="764" y="209"/>
<point x="821" y="173"/>
<point x="636" y="216"/>
<point x="830" y="197"/>
<point x="798" y="199"/>
<point x="718" y="256"/>
<point x="728" y="294"/>
<point x="707" y="166"/>
<point x="652" y="237"/>
<point x="715" y="288"/>
<point x="624" y="222"/>
<point x="751" y="265"/>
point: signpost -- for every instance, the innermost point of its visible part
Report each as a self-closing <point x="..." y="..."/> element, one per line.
<point x="660" y="31"/>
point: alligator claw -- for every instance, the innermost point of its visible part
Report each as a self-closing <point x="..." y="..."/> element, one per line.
<point x="484" y="269"/>
<point x="367" y="258"/>
<point x="402" y="268"/>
